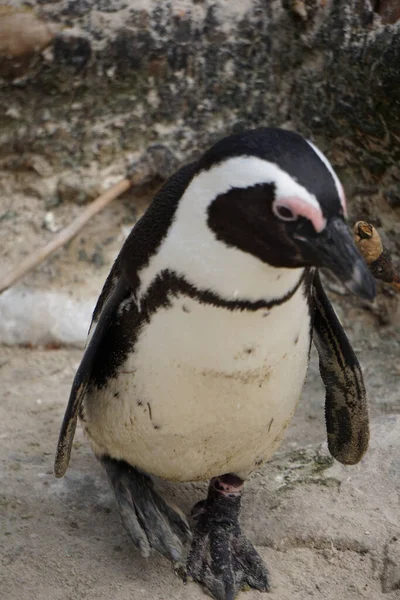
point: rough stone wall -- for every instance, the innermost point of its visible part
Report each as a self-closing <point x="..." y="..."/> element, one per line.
<point x="120" y="75"/>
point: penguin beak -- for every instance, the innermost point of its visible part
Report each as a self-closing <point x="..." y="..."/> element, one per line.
<point x="334" y="249"/>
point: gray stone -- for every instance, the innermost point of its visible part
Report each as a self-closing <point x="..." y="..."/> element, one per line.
<point x="132" y="73"/>
<point x="77" y="187"/>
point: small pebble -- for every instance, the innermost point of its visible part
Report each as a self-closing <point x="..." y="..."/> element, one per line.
<point x="49" y="223"/>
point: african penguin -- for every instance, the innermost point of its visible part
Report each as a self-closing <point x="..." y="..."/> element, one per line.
<point x="199" y="345"/>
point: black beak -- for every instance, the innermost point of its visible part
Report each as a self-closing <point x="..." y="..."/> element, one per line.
<point x="334" y="249"/>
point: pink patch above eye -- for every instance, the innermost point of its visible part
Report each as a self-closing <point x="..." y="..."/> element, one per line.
<point x="303" y="208"/>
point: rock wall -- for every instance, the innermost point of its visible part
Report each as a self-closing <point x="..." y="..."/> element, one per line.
<point x="104" y="79"/>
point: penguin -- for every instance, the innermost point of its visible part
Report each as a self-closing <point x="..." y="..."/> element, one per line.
<point x="200" y="340"/>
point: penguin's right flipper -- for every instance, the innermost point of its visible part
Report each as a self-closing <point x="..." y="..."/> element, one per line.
<point x="151" y="522"/>
<point x="346" y="409"/>
<point x="115" y="290"/>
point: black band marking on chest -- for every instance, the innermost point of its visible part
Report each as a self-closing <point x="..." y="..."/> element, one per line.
<point x="168" y="285"/>
<point x="123" y="332"/>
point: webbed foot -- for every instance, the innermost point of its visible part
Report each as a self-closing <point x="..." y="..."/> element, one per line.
<point x="149" y="520"/>
<point x="221" y="558"/>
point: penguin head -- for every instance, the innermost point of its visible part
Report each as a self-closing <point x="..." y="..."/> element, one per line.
<point x="279" y="199"/>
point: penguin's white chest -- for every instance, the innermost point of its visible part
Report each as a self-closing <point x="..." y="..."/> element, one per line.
<point x="206" y="391"/>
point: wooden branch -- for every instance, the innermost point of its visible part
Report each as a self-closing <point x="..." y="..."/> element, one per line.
<point x="35" y="259"/>
<point x="376" y="255"/>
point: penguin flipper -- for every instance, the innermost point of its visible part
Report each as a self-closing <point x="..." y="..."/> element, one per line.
<point x="113" y="293"/>
<point x="346" y="409"/>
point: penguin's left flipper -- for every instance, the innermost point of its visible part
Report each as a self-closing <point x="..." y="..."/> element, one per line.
<point x="346" y="409"/>
<point x="105" y="310"/>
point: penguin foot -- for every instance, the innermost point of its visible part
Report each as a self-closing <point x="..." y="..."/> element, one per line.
<point x="221" y="558"/>
<point x="149" y="520"/>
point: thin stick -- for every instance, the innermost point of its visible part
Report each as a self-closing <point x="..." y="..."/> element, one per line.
<point x="32" y="261"/>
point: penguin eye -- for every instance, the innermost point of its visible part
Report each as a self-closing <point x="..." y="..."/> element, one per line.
<point x="284" y="212"/>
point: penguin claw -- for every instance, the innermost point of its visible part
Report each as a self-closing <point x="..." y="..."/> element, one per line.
<point x="223" y="561"/>
<point x="149" y="520"/>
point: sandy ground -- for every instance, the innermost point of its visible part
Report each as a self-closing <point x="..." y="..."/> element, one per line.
<point x="63" y="540"/>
